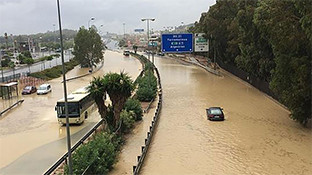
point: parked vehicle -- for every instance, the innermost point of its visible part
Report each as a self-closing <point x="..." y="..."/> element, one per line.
<point x="126" y="53"/>
<point x="160" y="54"/>
<point x="215" y="113"/>
<point x="29" y="90"/>
<point x="44" y="89"/>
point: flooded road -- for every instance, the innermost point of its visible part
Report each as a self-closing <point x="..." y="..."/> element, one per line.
<point x="257" y="136"/>
<point x="28" y="128"/>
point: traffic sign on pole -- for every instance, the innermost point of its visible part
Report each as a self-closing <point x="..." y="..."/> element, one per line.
<point x="138" y="30"/>
<point x="201" y="43"/>
<point x="177" y="43"/>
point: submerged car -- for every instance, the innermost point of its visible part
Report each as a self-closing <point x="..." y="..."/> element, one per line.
<point x="29" y="90"/>
<point x="44" y="89"/>
<point x="215" y="113"/>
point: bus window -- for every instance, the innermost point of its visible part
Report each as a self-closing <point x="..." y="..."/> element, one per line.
<point x="73" y="109"/>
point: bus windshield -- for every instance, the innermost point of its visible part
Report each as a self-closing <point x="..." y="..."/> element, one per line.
<point x="73" y="109"/>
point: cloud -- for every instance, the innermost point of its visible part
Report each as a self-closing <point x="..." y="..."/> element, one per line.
<point x="32" y="16"/>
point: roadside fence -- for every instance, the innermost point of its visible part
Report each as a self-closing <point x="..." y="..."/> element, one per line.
<point x="254" y="81"/>
<point x="63" y="159"/>
<point x="10" y="78"/>
<point x="30" y="81"/>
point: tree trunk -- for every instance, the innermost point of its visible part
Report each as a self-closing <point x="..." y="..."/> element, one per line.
<point x="102" y="109"/>
<point x="118" y="104"/>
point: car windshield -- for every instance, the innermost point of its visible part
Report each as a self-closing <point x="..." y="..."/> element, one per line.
<point x="42" y="88"/>
<point x="215" y="111"/>
<point x="27" y="88"/>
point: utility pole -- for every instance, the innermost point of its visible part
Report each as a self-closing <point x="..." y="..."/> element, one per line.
<point x="91" y="19"/>
<point x="70" y="164"/>
<point x="54" y="34"/>
<point x="124" y="30"/>
<point x="6" y="40"/>
<point x="214" y="55"/>
<point x="1" y="66"/>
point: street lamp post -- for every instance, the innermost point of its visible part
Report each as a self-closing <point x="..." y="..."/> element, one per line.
<point x="147" y="23"/>
<point x="65" y="94"/>
<point x="124" y="29"/>
<point x="54" y="34"/>
<point x="1" y="65"/>
<point x="100" y="31"/>
<point x="91" y="19"/>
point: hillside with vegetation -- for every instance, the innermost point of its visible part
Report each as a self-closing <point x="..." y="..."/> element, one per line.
<point x="50" y="39"/>
<point x="268" y="39"/>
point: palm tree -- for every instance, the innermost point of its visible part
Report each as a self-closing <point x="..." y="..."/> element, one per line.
<point x="119" y="88"/>
<point x="98" y="93"/>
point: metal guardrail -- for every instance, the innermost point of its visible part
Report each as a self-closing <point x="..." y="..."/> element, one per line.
<point x="136" y="169"/>
<point x="7" y="109"/>
<point x="64" y="157"/>
<point x="10" y="78"/>
<point x="148" y="106"/>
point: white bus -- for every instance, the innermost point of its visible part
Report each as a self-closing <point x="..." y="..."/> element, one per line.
<point x="79" y="107"/>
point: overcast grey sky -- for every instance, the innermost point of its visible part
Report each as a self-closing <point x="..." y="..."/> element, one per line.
<point x="34" y="16"/>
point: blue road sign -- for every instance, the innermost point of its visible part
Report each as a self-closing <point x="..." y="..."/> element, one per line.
<point x="138" y="30"/>
<point x="177" y="43"/>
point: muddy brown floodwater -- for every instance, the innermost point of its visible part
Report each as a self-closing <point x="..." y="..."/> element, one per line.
<point x="257" y="136"/>
<point x="31" y="126"/>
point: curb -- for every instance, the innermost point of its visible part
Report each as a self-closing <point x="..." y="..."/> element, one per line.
<point x="7" y="109"/>
<point x="210" y="70"/>
<point x="80" y="76"/>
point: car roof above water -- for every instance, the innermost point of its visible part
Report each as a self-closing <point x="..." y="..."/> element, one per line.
<point x="44" y="85"/>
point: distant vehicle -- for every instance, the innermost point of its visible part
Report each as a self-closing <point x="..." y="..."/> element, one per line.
<point x="58" y="50"/>
<point x="44" y="89"/>
<point x="79" y="107"/>
<point x="215" y="113"/>
<point x="126" y="53"/>
<point x="160" y="54"/>
<point x="29" y="90"/>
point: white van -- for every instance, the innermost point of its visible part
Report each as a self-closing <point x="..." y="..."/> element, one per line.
<point x="44" y="89"/>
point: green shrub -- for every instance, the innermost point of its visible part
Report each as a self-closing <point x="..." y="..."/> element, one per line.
<point x="148" y="66"/>
<point x="128" y="119"/>
<point x="135" y="106"/>
<point x="54" y="72"/>
<point x="99" y="153"/>
<point x="5" y="62"/>
<point x="49" y="57"/>
<point x="145" y="94"/>
<point x="149" y="80"/>
<point x="56" y="55"/>
<point x="147" y="87"/>
<point x="28" y="61"/>
<point x="27" y="54"/>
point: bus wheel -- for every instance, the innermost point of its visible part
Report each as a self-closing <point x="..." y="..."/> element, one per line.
<point x="86" y="115"/>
